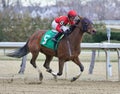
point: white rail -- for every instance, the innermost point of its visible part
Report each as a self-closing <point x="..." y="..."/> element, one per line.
<point x="93" y="46"/>
<point x="83" y="45"/>
<point x="11" y="44"/>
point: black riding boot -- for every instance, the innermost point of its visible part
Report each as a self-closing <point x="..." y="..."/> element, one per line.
<point x="55" y="38"/>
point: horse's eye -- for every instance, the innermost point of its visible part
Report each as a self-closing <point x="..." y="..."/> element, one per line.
<point x="86" y="23"/>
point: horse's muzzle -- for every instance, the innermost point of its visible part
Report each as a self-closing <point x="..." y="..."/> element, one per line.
<point x="94" y="31"/>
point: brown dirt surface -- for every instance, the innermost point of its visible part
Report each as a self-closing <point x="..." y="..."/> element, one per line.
<point x="13" y="83"/>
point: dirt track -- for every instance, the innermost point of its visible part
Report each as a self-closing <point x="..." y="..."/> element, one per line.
<point x="29" y="83"/>
<point x="60" y="87"/>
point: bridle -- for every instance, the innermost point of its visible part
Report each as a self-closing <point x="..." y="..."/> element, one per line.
<point x="84" y="24"/>
<point x="83" y="27"/>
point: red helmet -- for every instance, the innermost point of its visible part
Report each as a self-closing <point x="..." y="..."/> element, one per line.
<point x="72" y="13"/>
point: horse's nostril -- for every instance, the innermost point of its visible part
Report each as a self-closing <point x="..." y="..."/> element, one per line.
<point x="94" y="31"/>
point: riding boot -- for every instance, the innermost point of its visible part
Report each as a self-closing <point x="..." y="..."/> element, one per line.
<point x="55" y="38"/>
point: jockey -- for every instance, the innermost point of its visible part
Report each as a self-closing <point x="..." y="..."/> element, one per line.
<point x="59" y="23"/>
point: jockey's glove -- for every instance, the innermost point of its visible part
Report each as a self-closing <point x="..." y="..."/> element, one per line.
<point x="67" y="32"/>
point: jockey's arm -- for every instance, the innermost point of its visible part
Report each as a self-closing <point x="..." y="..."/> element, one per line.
<point x="58" y="28"/>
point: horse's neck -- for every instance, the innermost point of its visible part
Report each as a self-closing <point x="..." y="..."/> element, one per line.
<point x="76" y="37"/>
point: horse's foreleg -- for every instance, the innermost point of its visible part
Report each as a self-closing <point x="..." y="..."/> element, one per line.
<point x="33" y="62"/>
<point x="47" y="63"/>
<point x="77" y="61"/>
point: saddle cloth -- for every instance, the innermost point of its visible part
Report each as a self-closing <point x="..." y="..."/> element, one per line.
<point x="47" y="41"/>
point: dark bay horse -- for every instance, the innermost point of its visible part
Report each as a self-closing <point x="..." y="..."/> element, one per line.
<point x="63" y="53"/>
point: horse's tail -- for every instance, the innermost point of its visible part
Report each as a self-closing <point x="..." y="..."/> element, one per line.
<point x="20" y="52"/>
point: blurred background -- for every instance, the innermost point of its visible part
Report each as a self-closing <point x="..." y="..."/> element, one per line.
<point x="19" y="19"/>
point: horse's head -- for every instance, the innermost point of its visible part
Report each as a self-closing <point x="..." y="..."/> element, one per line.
<point x="86" y="25"/>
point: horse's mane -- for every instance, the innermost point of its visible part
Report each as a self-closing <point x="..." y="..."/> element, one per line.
<point x="72" y="27"/>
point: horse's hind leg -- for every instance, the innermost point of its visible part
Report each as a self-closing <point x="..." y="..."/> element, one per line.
<point x="33" y="62"/>
<point x="47" y="63"/>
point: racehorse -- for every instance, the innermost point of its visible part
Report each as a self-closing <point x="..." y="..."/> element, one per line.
<point x="68" y="48"/>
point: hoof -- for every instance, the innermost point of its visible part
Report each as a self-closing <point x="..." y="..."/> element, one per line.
<point x="49" y="70"/>
<point x="59" y="74"/>
<point x="82" y="68"/>
<point x="40" y="76"/>
<point x="74" y="79"/>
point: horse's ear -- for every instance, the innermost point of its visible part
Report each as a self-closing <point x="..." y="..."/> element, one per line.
<point x="80" y="17"/>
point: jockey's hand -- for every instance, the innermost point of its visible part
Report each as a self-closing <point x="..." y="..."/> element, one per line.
<point x="67" y="32"/>
<point x="64" y="28"/>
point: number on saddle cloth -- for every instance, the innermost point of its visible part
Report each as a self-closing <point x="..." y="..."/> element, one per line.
<point x="47" y="40"/>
